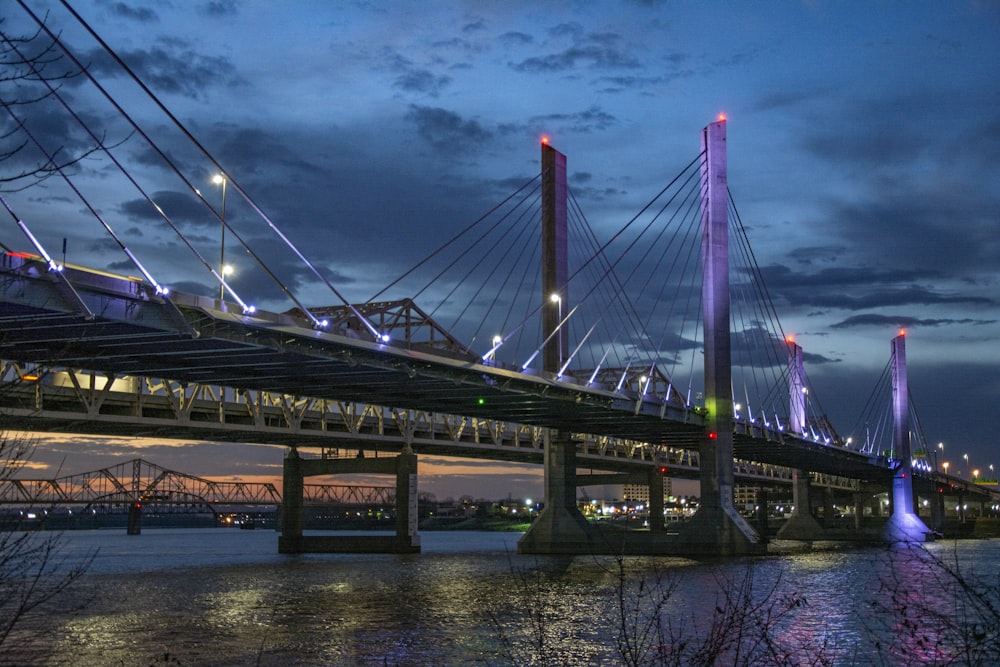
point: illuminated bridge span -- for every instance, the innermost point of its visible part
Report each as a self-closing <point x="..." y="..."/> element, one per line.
<point x="58" y="400"/>
<point x="141" y="482"/>
<point x="562" y="347"/>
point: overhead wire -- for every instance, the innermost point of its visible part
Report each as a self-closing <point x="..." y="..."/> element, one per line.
<point x="230" y="180"/>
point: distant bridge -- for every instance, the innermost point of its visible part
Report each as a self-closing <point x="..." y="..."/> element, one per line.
<point x="139" y="482"/>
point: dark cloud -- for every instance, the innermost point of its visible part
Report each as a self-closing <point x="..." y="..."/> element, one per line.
<point x="902" y="321"/>
<point x="421" y="81"/>
<point x="596" y="57"/>
<point x="413" y="79"/>
<point x="593" y="119"/>
<point x="859" y="288"/>
<point x="445" y="129"/>
<point x="221" y="8"/>
<point x="126" y="11"/>
<point x="169" y="66"/>
<point x="180" y="207"/>
<point x="515" y="38"/>
<point x="589" y="120"/>
<point x="594" y="51"/>
<point x="475" y="26"/>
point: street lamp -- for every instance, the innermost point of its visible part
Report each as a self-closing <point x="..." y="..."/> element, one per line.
<point x="556" y="299"/>
<point x="945" y="466"/>
<point x="941" y="450"/>
<point x="966" y="457"/>
<point x="219" y="179"/>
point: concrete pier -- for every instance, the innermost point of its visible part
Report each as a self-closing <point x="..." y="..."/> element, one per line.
<point x="296" y="469"/>
<point x="560" y="528"/>
<point x="802" y="525"/>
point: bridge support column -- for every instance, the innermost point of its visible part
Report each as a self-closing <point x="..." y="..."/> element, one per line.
<point x="828" y="512"/>
<point x="937" y="512"/>
<point x="406" y="538"/>
<point x="859" y="510"/>
<point x="292" y="505"/>
<point x="560" y="527"/>
<point x="717" y="527"/>
<point x="655" y="478"/>
<point x="134" y="526"/>
<point x="802" y="525"/>
<point x="904" y="525"/>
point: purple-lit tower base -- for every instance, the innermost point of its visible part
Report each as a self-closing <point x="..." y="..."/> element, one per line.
<point x="904" y="525"/>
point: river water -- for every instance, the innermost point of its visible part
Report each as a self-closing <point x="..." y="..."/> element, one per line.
<point x="226" y="597"/>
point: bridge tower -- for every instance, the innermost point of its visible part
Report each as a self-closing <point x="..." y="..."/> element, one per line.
<point x="555" y="261"/>
<point x="904" y="525"/>
<point x="560" y="528"/>
<point x="717" y="527"/>
<point x="802" y="525"/>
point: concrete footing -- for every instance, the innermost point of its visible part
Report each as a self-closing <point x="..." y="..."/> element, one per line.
<point x="296" y="469"/>
<point x="714" y="531"/>
<point x="906" y="527"/>
<point x="802" y="525"/>
<point x="560" y="527"/>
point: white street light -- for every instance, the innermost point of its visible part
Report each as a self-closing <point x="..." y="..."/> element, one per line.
<point x="219" y="179"/>
<point x="556" y="299"/>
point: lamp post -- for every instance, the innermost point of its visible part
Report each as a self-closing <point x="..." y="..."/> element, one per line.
<point x="556" y="299"/>
<point x="966" y="457"/>
<point x="941" y="450"/>
<point x="219" y="179"/>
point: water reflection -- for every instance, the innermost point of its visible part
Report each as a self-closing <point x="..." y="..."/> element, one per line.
<point x="459" y="606"/>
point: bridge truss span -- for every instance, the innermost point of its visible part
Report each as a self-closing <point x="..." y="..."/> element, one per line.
<point x="140" y="481"/>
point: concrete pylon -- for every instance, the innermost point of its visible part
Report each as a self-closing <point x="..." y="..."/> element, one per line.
<point x="560" y="527"/>
<point x="555" y="259"/>
<point x="802" y="525"/>
<point x="296" y="469"/>
<point x="717" y="527"/>
<point x="654" y="480"/>
<point x="904" y="525"/>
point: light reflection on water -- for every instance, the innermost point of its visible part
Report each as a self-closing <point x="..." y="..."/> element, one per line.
<point x="225" y="597"/>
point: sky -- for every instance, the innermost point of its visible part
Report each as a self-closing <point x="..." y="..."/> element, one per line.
<point x="863" y="143"/>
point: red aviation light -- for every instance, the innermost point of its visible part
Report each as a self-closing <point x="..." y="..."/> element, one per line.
<point x="722" y="117"/>
<point x="790" y="339"/>
<point x="545" y="140"/>
<point x="902" y="332"/>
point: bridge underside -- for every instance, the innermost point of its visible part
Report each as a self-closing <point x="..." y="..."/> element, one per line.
<point x="201" y="340"/>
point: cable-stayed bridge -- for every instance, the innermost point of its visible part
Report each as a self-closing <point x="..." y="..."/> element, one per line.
<point x="660" y="339"/>
<point x="72" y="318"/>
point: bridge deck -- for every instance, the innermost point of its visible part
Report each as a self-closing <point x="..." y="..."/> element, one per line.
<point x="197" y="339"/>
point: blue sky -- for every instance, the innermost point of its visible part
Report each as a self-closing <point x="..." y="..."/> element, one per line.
<point x="863" y="143"/>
